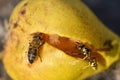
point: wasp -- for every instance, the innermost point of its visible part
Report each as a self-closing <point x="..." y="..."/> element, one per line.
<point x="86" y="51"/>
<point x="34" y="46"/>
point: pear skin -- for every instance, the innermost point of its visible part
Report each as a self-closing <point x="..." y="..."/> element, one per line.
<point x="67" y="18"/>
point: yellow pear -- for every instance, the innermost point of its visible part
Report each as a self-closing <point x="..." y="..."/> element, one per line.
<point x="57" y="19"/>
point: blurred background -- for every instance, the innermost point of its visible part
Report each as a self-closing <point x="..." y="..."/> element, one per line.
<point x="108" y="11"/>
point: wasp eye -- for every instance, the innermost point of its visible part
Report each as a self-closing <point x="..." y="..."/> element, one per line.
<point x="80" y="46"/>
<point x="37" y="37"/>
<point x="85" y="51"/>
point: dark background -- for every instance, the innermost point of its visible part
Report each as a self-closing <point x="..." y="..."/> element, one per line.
<point x="108" y="12"/>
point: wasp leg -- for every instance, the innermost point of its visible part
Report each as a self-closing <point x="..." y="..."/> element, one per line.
<point x="40" y="58"/>
<point x="87" y="58"/>
<point x="86" y="66"/>
<point x="39" y="55"/>
<point x="93" y="63"/>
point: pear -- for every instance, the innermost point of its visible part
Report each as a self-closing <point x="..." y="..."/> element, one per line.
<point x="64" y="19"/>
